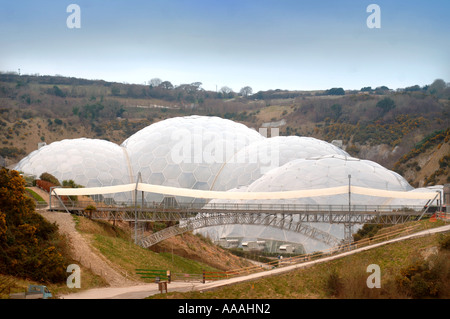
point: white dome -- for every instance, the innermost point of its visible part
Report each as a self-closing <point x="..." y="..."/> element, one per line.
<point x="186" y="152"/>
<point x="315" y="173"/>
<point x="258" y="158"/>
<point x="331" y="171"/>
<point x="88" y="162"/>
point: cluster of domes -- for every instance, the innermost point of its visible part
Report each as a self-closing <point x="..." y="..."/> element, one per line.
<point x="211" y="153"/>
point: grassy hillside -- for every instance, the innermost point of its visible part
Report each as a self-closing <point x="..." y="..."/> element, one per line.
<point x="416" y="268"/>
<point x="115" y="244"/>
<point x="179" y="254"/>
<point x="428" y="161"/>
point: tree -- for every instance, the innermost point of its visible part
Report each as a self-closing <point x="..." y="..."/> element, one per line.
<point x="155" y="82"/>
<point x="196" y="85"/>
<point x="49" y="178"/>
<point x="414" y="88"/>
<point x="115" y="91"/>
<point x="225" y="90"/>
<point x="386" y="105"/>
<point x="246" y="91"/>
<point x="335" y="91"/>
<point x="437" y="87"/>
<point x="336" y="111"/>
<point x="57" y="91"/>
<point x="382" y="90"/>
<point x="166" y="85"/>
<point x="26" y="238"/>
<point x="90" y="111"/>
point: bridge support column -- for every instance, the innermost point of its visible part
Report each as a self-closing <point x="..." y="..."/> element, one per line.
<point x="348" y="225"/>
<point x="348" y="232"/>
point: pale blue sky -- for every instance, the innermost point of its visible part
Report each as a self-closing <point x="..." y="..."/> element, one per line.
<point x="296" y="45"/>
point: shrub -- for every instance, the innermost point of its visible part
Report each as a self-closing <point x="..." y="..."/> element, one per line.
<point x="426" y="278"/>
<point x="90" y="208"/>
<point x="26" y="238"/>
<point x="386" y="105"/>
<point x="334" y="283"/>
<point x="50" y="178"/>
<point x="367" y="231"/>
<point x="444" y="242"/>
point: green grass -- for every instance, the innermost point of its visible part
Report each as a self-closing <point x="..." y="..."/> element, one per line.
<point x="35" y="195"/>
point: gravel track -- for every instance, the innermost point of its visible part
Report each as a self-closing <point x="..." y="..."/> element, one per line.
<point x="83" y="253"/>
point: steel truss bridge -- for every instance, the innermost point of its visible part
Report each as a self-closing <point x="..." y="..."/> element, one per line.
<point x="290" y="217"/>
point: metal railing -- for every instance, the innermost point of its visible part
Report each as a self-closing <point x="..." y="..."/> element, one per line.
<point x="239" y="207"/>
<point x="155" y="274"/>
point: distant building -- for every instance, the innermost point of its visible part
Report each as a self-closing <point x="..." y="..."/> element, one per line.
<point x="229" y="242"/>
<point x="279" y="123"/>
<point x="337" y="143"/>
<point x="262" y="245"/>
<point x="258" y="245"/>
<point x="288" y="249"/>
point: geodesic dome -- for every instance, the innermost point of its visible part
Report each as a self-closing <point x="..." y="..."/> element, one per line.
<point x="314" y="173"/>
<point x="331" y="171"/>
<point x="258" y="158"/>
<point x="88" y="162"/>
<point x="186" y="152"/>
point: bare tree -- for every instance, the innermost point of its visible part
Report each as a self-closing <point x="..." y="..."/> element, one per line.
<point x="155" y="82"/>
<point x="437" y="86"/>
<point x="196" y="85"/>
<point x="226" y="90"/>
<point x="246" y="91"/>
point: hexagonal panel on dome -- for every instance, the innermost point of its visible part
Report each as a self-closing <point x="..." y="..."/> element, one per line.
<point x="202" y="173"/>
<point x="156" y="179"/>
<point x="172" y="171"/>
<point x="186" y="179"/>
<point x="158" y="164"/>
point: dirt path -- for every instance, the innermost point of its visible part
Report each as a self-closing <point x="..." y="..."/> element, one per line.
<point x="82" y="252"/>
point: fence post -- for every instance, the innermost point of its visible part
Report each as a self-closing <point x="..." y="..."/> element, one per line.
<point x="204" y="279"/>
